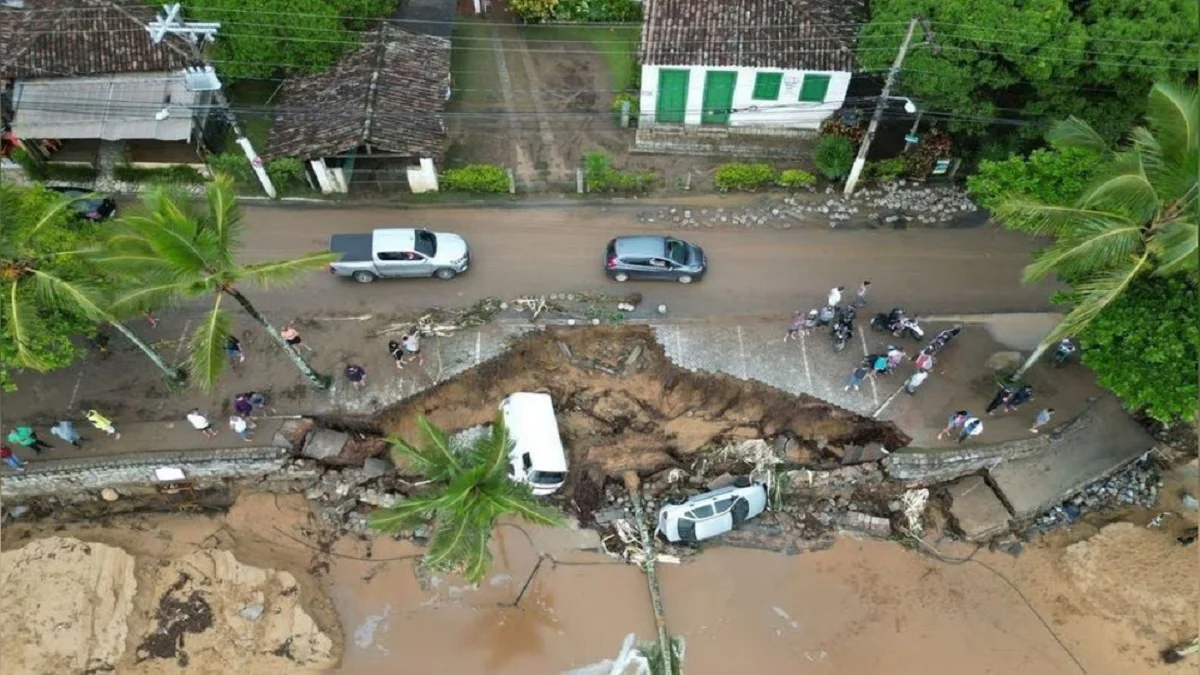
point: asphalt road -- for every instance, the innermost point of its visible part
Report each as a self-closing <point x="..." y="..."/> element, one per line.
<point x="754" y="272"/>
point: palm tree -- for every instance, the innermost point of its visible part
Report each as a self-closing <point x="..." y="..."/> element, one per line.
<point x="45" y="269"/>
<point x="178" y="250"/>
<point x="1138" y="217"/>
<point x="471" y="491"/>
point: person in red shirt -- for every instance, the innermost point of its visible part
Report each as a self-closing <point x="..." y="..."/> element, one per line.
<point x="11" y="459"/>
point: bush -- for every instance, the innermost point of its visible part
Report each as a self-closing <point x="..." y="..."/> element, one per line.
<point x="171" y="175"/>
<point x="286" y="172"/>
<point x="921" y="160"/>
<point x="743" y="177"/>
<point x="28" y="164"/>
<point x="1050" y="175"/>
<point x="795" y="178"/>
<point x="886" y="169"/>
<point x="602" y="177"/>
<point x="851" y="132"/>
<point x="477" y="178"/>
<point x="68" y="173"/>
<point x="233" y="164"/>
<point x="592" y="11"/>
<point x="834" y="155"/>
<point x="532" y="10"/>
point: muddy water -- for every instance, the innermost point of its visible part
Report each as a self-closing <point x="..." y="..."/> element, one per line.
<point x="863" y="606"/>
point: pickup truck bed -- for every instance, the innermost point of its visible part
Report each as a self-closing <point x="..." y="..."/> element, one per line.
<point x="353" y="247"/>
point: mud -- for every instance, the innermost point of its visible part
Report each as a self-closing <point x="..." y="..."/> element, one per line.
<point x="623" y="406"/>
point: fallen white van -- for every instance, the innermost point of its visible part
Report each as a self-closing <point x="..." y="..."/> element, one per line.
<point x="537" y="457"/>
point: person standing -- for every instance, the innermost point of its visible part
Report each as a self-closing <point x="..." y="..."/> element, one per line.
<point x="915" y="380"/>
<point x="10" y="459"/>
<point x="357" y="375"/>
<point x="66" y="431"/>
<point x="412" y="347"/>
<point x="27" y="437"/>
<point x="972" y="427"/>
<point x="924" y="360"/>
<point x="954" y="423"/>
<point x="241" y="426"/>
<point x="242" y="405"/>
<point x="199" y="422"/>
<point x="397" y="352"/>
<point x="860" y="373"/>
<point x="835" y="296"/>
<point x="292" y="336"/>
<point x="233" y="349"/>
<point x="860" y="296"/>
<point x="1020" y="397"/>
<point x="1001" y="398"/>
<point x="102" y="423"/>
<point x="894" y="356"/>
<point x="1042" y="419"/>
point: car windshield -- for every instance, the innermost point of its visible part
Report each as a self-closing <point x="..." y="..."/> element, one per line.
<point x="547" y="477"/>
<point x="677" y="251"/>
<point x="426" y="243"/>
<point x="705" y="511"/>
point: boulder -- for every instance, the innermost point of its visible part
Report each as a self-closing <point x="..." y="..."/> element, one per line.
<point x="323" y="444"/>
<point x="374" y="467"/>
<point x="292" y="433"/>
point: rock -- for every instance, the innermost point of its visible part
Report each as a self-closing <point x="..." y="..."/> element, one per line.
<point x="1189" y="502"/>
<point x="252" y="612"/>
<point x="323" y="444"/>
<point x="374" y="467"/>
<point x="724" y="480"/>
<point x="856" y="521"/>
<point x="292" y="433"/>
<point x="109" y="495"/>
<point x="608" y="515"/>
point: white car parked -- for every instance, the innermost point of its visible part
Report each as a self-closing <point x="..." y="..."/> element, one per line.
<point x="712" y="513"/>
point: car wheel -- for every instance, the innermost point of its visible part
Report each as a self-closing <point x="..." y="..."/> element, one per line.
<point x="685" y="279"/>
<point x="621" y="276"/>
<point x="741" y="481"/>
<point x="445" y="274"/>
<point x="363" y="277"/>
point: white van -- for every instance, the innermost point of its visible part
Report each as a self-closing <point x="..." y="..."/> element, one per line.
<point x="537" y="457"/>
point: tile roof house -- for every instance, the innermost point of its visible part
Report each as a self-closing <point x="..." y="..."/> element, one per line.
<point x="384" y="99"/>
<point x="746" y="63"/>
<point x="87" y="70"/>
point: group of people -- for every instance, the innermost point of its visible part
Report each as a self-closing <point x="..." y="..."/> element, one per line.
<point x="403" y="351"/>
<point x="241" y="422"/>
<point x="832" y="313"/>
<point x="25" y="436"/>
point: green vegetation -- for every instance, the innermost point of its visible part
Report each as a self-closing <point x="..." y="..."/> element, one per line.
<point x="470" y="491"/>
<point x="257" y="95"/>
<point x="1050" y="175"/>
<point x="1034" y="60"/>
<point x="886" y="170"/>
<point x="52" y="292"/>
<point x="834" y="155"/>
<point x="179" y="174"/>
<point x="1136" y="219"/>
<point x="602" y="177"/>
<point x="299" y="36"/>
<point x="581" y="11"/>
<point x="795" y="178"/>
<point x="286" y="172"/>
<point x="177" y="250"/>
<point x="743" y="177"/>
<point x="476" y="178"/>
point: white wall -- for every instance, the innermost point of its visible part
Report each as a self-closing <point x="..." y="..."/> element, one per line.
<point x="787" y="110"/>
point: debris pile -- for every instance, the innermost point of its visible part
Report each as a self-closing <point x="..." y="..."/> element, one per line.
<point x="1136" y="485"/>
<point x="891" y="204"/>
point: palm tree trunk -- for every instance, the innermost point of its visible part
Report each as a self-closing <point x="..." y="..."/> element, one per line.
<point x="318" y="380"/>
<point x="1033" y="358"/>
<point x="174" y="375"/>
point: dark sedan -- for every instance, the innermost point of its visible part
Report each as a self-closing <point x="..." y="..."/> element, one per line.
<point x="654" y="257"/>
<point x="87" y="205"/>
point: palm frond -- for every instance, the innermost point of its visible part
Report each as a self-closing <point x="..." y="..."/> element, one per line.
<point x="1075" y="133"/>
<point x="1052" y="220"/>
<point x="146" y="298"/>
<point x="22" y="323"/>
<point x="478" y="558"/>
<point x="434" y="458"/>
<point x="48" y="215"/>
<point x="516" y="498"/>
<point x="207" y="347"/>
<point x="224" y="215"/>
<point x="172" y="235"/>
<point x="407" y="515"/>
<point x="1174" y="246"/>
<point x="1095" y="294"/>
<point x="1126" y="189"/>
<point x="282" y="272"/>
<point x="491" y="452"/>
<point x="456" y="541"/>
<point x="1091" y="247"/>
<point x="1173" y="117"/>
<point x="74" y="297"/>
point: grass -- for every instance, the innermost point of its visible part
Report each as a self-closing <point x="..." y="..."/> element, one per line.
<point x="472" y="66"/>
<point x="617" y="44"/>
<point x="252" y="93"/>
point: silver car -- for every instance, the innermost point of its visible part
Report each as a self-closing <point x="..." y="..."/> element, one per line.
<point x="712" y="513"/>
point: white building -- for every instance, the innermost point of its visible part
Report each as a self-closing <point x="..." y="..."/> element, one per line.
<point x="778" y="64"/>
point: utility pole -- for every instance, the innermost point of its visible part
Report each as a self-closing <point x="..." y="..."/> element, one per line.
<point x="193" y="33"/>
<point x="861" y="160"/>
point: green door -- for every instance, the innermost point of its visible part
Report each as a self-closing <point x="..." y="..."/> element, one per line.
<point x="718" y="96"/>
<point x="671" y="104"/>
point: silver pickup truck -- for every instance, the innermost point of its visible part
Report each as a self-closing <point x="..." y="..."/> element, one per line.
<point x="395" y="253"/>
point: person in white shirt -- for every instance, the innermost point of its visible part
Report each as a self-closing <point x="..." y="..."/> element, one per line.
<point x="240" y="426"/>
<point x="915" y="381"/>
<point x="200" y="423"/>
<point x="835" y="296"/>
<point x="971" y="428"/>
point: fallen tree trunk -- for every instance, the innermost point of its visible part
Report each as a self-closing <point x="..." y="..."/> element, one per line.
<point x="649" y="562"/>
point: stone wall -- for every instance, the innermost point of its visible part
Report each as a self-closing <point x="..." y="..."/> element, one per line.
<point x="921" y="468"/>
<point x="731" y="142"/>
<point x="61" y="478"/>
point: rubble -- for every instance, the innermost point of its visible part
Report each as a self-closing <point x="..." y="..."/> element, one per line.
<point x="865" y="523"/>
<point x="896" y="204"/>
<point x="1136" y="485"/>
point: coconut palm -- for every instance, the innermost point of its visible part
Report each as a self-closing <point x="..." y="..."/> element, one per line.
<point x="178" y="250"/>
<point x="1138" y="217"/>
<point x="45" y="269"/>
<point x="470" y="490"/>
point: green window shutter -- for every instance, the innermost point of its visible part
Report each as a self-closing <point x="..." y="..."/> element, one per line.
<point x="814" y="88"/>
<point x="766" y="86"/>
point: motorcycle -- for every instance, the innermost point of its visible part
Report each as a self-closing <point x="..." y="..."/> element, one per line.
<point x="827" y="315"/>
<point x="842" y="332"/>
<point x="1065" y="348"/>
<point x="911" y="327"/>
<point x="943" y="338"/>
